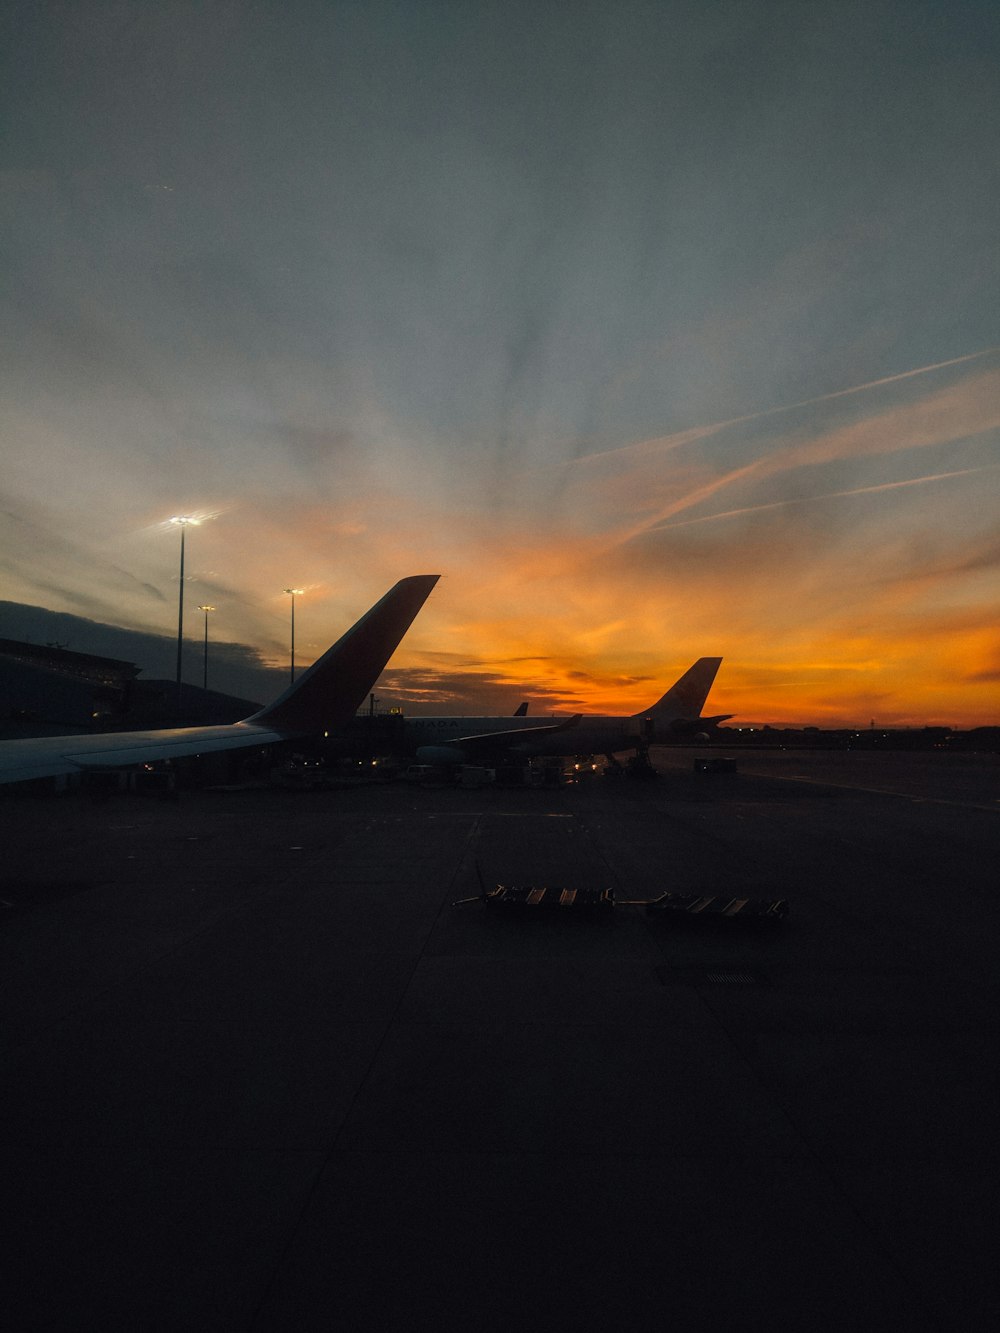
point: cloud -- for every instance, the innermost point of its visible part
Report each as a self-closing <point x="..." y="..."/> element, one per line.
<point x="469" y="692"/>
<point x="828" y="495"/>
<point x="234" y="668"/>
<point x="969" y="408"/>
<point x="679" y="438"/>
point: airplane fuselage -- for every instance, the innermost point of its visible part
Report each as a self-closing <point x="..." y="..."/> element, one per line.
<point x="590" y="735"/>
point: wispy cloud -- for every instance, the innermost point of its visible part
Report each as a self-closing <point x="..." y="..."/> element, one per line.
<point x="827" y="495"/>
<point x="696" y="433"/>
<point x="969" y="408"/>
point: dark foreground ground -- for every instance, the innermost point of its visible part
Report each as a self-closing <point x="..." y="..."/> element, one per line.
<point x="259" y="1074"/>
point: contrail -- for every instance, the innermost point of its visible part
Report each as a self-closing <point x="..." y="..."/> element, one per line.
<point x="699" y="432"/>
<point x="827" y="495"/>
<point x="872" y="384"/>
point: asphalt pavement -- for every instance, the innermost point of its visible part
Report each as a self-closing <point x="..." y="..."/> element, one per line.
<point x="261" y="1074"/>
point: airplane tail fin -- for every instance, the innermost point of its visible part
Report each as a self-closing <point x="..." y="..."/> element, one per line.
<point x="334" y="687"/>
<point x="686" y="697"/>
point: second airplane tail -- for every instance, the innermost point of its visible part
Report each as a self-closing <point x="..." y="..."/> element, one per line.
<point x="686" y="697"/>
<point x="332" y="690"/>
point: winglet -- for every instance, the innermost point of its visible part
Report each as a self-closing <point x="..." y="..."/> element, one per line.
<point x="334" y="687"/>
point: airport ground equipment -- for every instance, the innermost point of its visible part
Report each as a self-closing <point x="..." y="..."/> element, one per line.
<point x="715" y="906"/>
<point x="542" y="899"/>
<point x="511" y="898"/>
<point x="527" y="899"/>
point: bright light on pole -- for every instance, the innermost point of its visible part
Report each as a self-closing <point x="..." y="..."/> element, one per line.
<point x="182" y="521"/>
<point x="204" y="682"/>
<point x="293" y="593"/>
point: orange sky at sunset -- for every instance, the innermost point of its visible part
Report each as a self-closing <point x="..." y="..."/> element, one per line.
<point x="664" y="332"/>
<point x="831" y="605"/>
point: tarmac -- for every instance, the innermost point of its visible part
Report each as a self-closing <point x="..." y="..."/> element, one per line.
<point x="260" y="1074"/>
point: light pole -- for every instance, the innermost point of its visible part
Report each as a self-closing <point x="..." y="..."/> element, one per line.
<point x="182" y="521"/>
<point x="204" y="681"/>
<point x="293" y="593"/>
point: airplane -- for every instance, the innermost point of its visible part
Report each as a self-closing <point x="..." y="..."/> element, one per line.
<point x="675" y="715"/>
<point x="325" y="696"/>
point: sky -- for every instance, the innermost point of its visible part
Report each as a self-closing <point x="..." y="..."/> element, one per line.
<point x="659" y="330"/>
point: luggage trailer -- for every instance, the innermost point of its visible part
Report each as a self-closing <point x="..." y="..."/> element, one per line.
<point x="531" y="900"/>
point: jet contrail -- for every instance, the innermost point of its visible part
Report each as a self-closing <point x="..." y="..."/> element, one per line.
<point x="699" y="432"/>
<point x="872" y="384"/>
<point x="827" y="495"/>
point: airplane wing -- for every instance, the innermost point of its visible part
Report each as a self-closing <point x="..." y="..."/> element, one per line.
<point x="49" y="756"/>
<point x="681" y="726"/>
<point x="505" y="739"/>
<point x="324" y="696"/>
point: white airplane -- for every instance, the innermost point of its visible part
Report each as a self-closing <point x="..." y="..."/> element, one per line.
<point x="325" y="696"/>
<point x="676" y="714"/>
